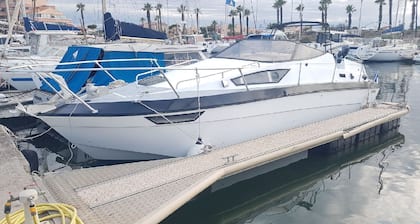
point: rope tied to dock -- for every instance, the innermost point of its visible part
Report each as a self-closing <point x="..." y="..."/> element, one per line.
<point x="10" y="133"/>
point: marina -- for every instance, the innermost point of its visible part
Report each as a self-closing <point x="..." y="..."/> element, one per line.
<point x="96" y="191"/>
<point x="208" y="121"/>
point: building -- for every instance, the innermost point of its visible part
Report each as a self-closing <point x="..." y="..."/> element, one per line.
<point x="43" y="11"/>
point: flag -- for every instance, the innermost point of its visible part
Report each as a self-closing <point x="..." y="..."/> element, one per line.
<point x="231" y="2"/>
<point x="376" y="78"/>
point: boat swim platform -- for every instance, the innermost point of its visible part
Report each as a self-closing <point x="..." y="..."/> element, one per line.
<point x="148" y="192"/>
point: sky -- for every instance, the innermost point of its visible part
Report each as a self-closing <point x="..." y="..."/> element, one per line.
<point x="263" y="12"/>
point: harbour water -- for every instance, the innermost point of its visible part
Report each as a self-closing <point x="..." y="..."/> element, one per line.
<point x="376" y="181"/>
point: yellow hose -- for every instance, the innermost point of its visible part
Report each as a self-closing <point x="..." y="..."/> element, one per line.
<point x="47" y="211"/>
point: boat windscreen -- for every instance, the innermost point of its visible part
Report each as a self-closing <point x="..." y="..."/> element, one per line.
<point x="269" y="51"/>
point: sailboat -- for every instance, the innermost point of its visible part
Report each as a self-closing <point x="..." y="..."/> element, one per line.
<point x="386" y="50"/>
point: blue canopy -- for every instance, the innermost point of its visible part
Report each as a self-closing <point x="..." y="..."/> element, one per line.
<point x="114" y="29"/>
<point x="32" y="25"/>
<point x="396" y="29"/>
<point x="101" y="78"/>
<point x="77" y="79"/>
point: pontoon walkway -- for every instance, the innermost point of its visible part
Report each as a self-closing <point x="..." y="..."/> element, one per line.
<point x="148" y="192"/>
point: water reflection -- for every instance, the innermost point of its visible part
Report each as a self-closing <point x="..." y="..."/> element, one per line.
<point x="269" y="196"/>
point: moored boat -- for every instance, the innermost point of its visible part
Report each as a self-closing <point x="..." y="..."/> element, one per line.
<point x="252" y="89"/>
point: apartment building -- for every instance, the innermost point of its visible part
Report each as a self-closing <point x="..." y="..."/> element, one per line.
<point x="43" y="11"/>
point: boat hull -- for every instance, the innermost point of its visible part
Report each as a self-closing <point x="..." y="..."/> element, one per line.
<point x="137" y="138"/>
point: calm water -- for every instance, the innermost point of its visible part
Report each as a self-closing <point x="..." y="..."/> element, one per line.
<point x="377" y="181"/>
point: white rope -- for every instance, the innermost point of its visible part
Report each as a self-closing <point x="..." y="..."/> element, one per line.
<point x="18" y="138"/>
<point x="199" y="103"/>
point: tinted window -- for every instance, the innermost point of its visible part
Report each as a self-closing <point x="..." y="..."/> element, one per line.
<point x="273" y="76"/>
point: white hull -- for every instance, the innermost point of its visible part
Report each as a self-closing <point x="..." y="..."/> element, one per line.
<point x="22" y="82"/>
<point x="387" y="56"/>
<point x="386" y="53"/>
<point x="130" y="137"/>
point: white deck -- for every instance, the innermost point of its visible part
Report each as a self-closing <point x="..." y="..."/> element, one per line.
<point x="147" y="192"/>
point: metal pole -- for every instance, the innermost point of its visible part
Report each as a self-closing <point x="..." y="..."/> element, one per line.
<point x="415" y="30"/>
<point x="103" y="15"/>
<point x="8" y="11"/>
<point x="11" y="25"/>
<point x="33" y="9"/>
<point x="360" y="17"/>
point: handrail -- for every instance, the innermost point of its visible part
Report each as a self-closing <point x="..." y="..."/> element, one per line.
<point x="220" y="72"/>
<point x="106" y="71"/>
<point x="62" y="86"/>
<point x="162" y="68"/>
<point x="166" y="78"/>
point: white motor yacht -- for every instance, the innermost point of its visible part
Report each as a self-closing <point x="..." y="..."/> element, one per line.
<point x="252" y="89"/>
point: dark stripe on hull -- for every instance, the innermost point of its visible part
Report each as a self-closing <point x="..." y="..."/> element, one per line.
<point x="130" y="108"/>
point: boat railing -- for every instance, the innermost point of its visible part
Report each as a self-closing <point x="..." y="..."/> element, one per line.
<point x="221" y="72"/>
<point x="45" y="73"/>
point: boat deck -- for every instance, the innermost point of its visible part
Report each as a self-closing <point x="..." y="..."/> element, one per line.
<point x="148" y="192"/>
<point x="10" y="99"/>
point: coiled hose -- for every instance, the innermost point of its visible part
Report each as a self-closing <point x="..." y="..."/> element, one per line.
<point x="46" y="211"/>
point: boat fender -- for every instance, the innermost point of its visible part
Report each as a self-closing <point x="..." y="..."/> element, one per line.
<point x="197" y="148"/>
<point x="32" y="158"/>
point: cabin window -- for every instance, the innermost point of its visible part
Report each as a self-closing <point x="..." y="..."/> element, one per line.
<point x="175" y="58"/>
<point x="263" y="77"/>
<point x="179" y="118"/>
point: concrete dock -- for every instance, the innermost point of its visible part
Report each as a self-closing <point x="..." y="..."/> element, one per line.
<point x="14" y="169"/>
<point x="148" y="192"/>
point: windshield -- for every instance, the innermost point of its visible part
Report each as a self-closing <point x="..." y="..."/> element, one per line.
<point x="269" y="51"/>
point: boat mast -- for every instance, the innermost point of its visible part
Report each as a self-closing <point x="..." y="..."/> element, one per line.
<point x="405" y="7"/>
<point x="33" y="9"/>
<point x="12" y="22"/>
<point x="396" y="15"/>
<point x="103" y="16"/>
<point x="8" y="10"/>
<point x="360" y="17"/>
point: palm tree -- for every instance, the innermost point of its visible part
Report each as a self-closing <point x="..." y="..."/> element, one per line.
<point x="349" y="10"/>
<point x="214" y="24"/>
<point x="324" y="5"/>
<point x="413" y="14"/>
<point x="182" y="9"/>
<point x="322" y="9"/>
<point x="81" y="7"/>
<point x="300" y="10"/>
<point x="148" y="7"/>
<point x="390" y="13"/>
<point x="278" y="5"/>
<point x="159" y="9"/>
<point x="240" y="10"/>
<point x="142" y="19"/>
<point x="381" y="3"/>
<point x="232" y="14"/>
<point x="247" y="13"/>
<point x="197" y="11"/>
